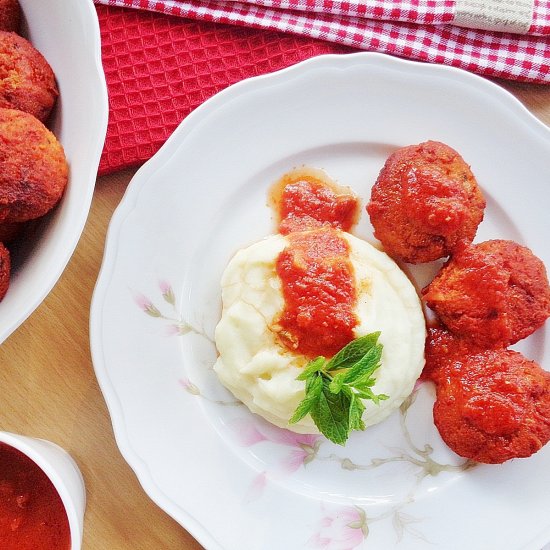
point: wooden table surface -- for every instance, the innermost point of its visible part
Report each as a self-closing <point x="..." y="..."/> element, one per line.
<point x="49" y="389"/>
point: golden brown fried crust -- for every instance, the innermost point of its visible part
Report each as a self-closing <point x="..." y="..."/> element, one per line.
<point x="27" y="81"/>
<point x="494" y="293"/>
<point x="493" y="406"/>
<point x="10" y="15"/>
<point x="5" y="267"/>
<point x="425" y="201"/>
<point x="33" y="168"/>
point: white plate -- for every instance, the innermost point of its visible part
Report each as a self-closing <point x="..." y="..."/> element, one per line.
<point x="66" y="32"/>
<point x="229" y="478"/>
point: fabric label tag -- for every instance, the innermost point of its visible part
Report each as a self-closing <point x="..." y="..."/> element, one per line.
<point x="495" y="15"/>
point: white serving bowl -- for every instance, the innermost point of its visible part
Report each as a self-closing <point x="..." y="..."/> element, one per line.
<point x="62" y="471"/>
<point x="66" y="32"/>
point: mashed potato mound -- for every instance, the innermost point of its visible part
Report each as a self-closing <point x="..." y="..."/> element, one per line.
<point x="262" y="373"/>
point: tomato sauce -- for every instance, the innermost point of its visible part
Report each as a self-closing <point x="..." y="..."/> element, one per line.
<point x="306" y="199"/>
<point x="317" y="276"/>
<point x="443" y="348"/>
<point x="474" y="295"/>
<point x="438" y="202"/>
<point x="493" y="402"/>
<point x="32" y="515"/>
<point x="319" y="293"/>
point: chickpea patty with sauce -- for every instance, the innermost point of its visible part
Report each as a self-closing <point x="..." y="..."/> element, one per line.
<point x="492" y="405"/>
<point x="425" y="202"/>
<point x="494" y="293"/>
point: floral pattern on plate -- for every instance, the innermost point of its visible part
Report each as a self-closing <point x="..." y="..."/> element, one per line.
<point x="340" y="528"/>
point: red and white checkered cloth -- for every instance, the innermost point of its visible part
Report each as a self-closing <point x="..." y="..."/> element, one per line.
<point x="414" y="29"/>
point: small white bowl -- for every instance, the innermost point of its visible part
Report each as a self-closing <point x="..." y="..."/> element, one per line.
<point x="66" y="32"/>
<point x="62" y="471"/>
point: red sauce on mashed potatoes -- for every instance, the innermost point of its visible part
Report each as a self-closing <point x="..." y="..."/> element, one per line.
<point x="32" y="515"/>
<point x="317" y="275"/>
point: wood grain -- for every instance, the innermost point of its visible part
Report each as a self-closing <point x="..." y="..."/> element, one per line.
<point x="49" y="389"/>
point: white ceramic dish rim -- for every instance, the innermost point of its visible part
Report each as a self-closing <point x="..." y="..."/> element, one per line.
<point x="184" y="517"/>
<point x="98" y="86"/>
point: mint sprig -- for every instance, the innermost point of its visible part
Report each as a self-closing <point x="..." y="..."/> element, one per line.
<point x="335" y="388"/>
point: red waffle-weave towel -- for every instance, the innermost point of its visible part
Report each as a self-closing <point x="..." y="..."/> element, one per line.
<point x="160" y="67"/>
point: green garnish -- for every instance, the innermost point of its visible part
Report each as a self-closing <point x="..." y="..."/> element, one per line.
<point x="335" y="389"/>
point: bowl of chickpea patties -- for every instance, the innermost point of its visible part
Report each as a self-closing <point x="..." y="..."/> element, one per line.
<point x="53" y="119"/>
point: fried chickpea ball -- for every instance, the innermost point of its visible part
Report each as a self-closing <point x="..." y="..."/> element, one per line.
<point x="10" y="231"/>
<point x="425" y="201"/>
<point x="10" y="15"/>
<point x="441" y="348"/>
<point x="493" y="406"/>
<point x="494" y="293"/>
<point x="33" y="168"/>
<point x="27" y="81"/>
<point x="5" y="268"/>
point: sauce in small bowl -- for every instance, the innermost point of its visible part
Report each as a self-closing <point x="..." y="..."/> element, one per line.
<point x="41" y="496"/>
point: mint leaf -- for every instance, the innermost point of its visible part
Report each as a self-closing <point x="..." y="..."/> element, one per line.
<point x="335" y="389"/>
<point x="365" y="366"/>
<point x="368" y="394"/>
<point x="337" y="382"/>
<point x="360" y="372"/>
<point x="367" y="382"/>
<point x="353" y="352"/>
<point x="312" y="396"/>
<point x="356" y="409"/>
<point x="331" y="414"/>
<point x="314" y="366"/>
